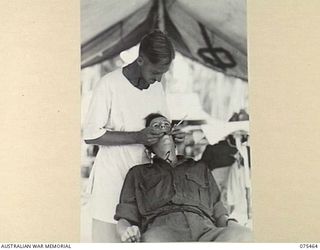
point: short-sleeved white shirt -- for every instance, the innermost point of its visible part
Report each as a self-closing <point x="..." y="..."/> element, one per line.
<point x="117" y="105"/>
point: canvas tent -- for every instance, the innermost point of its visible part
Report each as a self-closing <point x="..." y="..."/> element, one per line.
<point x="211" y="32"/>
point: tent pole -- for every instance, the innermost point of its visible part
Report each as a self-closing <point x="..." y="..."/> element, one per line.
<point x="161" y="24"/>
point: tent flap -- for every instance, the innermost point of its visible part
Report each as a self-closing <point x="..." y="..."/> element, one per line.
<point x="212" y="33"/>
<point x="204" y="45"/>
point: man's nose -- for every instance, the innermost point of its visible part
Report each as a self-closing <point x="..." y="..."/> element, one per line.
<point x="165" y="129"/>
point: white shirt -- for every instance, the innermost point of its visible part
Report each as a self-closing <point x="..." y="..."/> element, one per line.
<point x="117" y="105"/>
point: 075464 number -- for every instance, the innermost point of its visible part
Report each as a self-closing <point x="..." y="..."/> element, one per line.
<point x="308" y="245"/>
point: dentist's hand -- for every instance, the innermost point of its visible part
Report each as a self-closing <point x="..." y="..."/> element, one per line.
<point x="149" y="136"/>
<point x="178" y="134"/>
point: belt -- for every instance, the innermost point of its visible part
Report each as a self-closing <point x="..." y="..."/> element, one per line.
<point x="173" y="208"/>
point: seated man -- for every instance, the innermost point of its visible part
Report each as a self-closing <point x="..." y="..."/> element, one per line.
<point x="173" y="198"/>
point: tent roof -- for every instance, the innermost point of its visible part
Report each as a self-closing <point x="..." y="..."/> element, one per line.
<point x="98" y="15"/>
<point x="227" y="18"/>
<point x="210" y="32"/>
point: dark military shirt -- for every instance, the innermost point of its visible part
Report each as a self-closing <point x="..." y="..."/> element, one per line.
<point x="150" y="190"/>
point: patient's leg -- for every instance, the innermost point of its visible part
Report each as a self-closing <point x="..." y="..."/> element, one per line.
<point x="234" y="233"/>
<point x="159" y="234"/>
<point x="172" y="227"/>
<point x="203" y="229"/>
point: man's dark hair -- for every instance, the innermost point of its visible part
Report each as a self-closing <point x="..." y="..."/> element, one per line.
<point x="157" y="47"/>
<point x="152" y="116"/>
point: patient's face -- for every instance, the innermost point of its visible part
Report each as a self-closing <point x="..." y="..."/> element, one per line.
<point x="165" y="142"/>
<point x="161" y="124"/>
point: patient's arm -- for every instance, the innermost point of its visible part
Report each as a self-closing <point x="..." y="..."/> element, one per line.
<point x="127" y="212"/>
<point x="128" y="232"/>
<point x="219" y="155"/>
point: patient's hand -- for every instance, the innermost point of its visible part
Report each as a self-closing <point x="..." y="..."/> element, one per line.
<point x="131" y="234"/>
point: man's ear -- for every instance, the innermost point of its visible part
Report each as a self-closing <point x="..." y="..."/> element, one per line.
<point x="140" y="60"/>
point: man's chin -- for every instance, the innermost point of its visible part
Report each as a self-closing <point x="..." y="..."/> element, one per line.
<point x="167" y="140"/>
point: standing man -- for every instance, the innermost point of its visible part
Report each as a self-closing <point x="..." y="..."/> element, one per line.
<point x="115" y="122"/>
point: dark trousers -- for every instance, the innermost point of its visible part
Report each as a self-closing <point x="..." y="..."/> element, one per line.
<point x="188" y="226"/>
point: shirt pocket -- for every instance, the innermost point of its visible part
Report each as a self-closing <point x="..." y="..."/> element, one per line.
<point x="150" y="182"/>
<point x="154" y="190"/>
<point x="197" y="180"/>
<point x="197" y="189"/>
